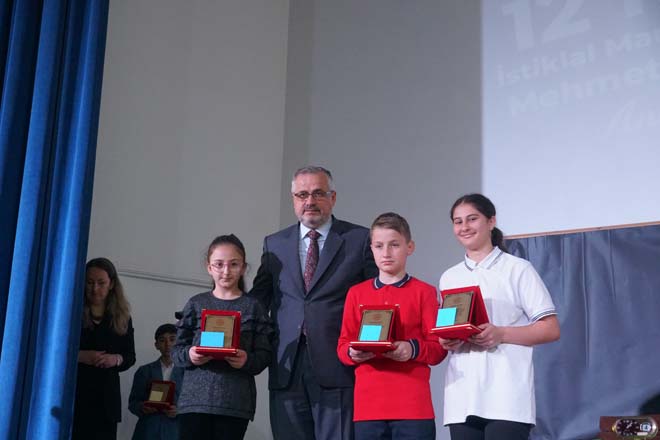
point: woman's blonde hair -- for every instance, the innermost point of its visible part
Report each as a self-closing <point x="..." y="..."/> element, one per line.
<point x="116" y="305"/>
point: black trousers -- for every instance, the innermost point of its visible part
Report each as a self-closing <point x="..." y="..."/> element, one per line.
<point x="478" y="428"/>
<point x="196" y="426"/>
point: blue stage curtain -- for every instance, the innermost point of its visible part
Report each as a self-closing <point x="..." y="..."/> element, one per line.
<point x="606" y="287"/>
<point x="51" y="66"/>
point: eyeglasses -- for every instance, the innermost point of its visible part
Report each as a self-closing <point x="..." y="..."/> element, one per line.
<point x="234" y="266"/>
<point x="316" y="195"/>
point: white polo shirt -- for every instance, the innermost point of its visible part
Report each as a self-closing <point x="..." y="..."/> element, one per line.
<point x="496" y="383"/>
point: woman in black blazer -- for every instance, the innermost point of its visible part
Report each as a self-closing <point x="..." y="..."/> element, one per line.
<point x="106" y="348"/>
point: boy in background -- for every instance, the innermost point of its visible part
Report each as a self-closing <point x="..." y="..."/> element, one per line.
<point x="153" y="423"/>
<point x="392" y="390"/>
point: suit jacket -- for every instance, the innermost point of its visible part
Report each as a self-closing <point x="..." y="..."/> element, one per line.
<point x="345" y="260"/>
<point x="153" y="426"/>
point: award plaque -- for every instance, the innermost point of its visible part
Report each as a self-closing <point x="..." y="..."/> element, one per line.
<point x="629" y="427"/>
<point x="376" y="328"/>
<point x="460" y="314"/>
<point x="220" y="333"/>
<point x="161" y="394"/>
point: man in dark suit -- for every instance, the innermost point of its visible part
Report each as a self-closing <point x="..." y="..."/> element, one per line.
<point x="306" y="270"/>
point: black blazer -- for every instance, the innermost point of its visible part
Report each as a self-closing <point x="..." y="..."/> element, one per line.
<point x="345" y="260"/>
<point x="97" y="389"/>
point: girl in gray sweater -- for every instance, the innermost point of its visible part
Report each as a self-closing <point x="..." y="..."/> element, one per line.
<point x="218" y="396"/>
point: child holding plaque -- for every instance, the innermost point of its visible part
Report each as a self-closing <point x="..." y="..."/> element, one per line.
<point x="156" y="422"/>
<point x="489" y="384"/>
<point x="218" y="396"/>
<point x="392" y="391"/>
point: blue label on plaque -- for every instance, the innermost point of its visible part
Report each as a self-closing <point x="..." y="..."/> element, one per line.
<point x="213" y="339"/>
<point x="370" y="332"/>
<point x="446" y="317"/>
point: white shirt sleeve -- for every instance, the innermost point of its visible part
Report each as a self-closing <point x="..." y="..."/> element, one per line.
<point x="534" y="297"/>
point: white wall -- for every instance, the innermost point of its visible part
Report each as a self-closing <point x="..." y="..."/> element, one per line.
<point x="190" y="147"/>
<point x="571" y="115"/>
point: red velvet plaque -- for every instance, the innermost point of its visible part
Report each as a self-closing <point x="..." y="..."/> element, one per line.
<point x="376" y="328"/>
<point x="220" y="333"/>
<point x="161" y="394"/>
<point x="460" y="314"/>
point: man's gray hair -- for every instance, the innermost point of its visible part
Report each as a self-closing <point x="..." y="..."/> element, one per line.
<point x="311" y="169"/>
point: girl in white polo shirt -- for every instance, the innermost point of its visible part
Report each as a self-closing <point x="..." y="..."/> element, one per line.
<point x="489" y="385"/>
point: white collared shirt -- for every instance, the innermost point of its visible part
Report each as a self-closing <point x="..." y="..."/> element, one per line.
<point x="496" y="383"/>
<point x="303" y="243"/>
<point x="167" y="371"/>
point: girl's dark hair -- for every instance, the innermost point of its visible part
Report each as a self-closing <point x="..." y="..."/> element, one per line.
<point x="234" y="241"/>
<point x="116" y="304"/>
<point x="482" y="204"/>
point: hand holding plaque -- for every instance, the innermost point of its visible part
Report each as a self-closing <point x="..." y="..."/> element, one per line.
<point x="220" y="333"/>
<point x="376" y="329"/>
<point x="161" y="395"/>
<point x="461" y="313"/>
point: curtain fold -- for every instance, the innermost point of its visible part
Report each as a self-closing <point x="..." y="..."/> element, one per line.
<point x="606" y="287"/>
<point x="49" y="112"/>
